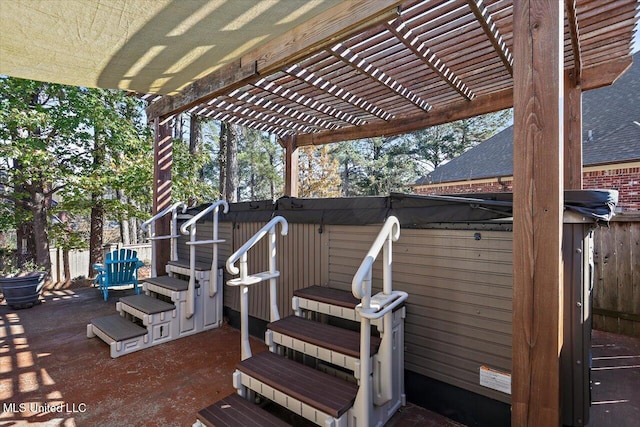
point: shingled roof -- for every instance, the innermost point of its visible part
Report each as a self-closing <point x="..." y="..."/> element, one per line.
<point x="610" y="132"/>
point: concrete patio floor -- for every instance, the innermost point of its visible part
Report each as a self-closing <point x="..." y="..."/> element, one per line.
<point x="52" y="375"/>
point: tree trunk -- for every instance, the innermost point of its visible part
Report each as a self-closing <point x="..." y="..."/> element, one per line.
<point x="66" y="265"/>
<point x="97" y="210"/>
<point x="232" y="176"/>
<point x="40" y="233"/>
<point x="125" y="236"/>
<point x="222" y="159"/>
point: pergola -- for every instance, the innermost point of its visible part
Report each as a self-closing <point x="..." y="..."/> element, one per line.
<point x="324" y="71"/>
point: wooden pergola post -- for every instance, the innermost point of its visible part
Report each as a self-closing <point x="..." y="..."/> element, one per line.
<point x="537" y="212"/>
<point x="162" y="161"/>
<point x="291" y="167"/>
<point x="572" y="132"/>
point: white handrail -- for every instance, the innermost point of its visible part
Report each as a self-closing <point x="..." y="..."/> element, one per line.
<point x="386" y="302"/>
<point x="270" y="226"/>
<point x="245" y="280"/>
<point x="189" y="227"/>
<point x="172" y="232"/>
<point x="361" y="283"/>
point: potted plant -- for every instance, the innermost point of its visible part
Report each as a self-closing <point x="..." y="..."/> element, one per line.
<point x="22" y="288"/>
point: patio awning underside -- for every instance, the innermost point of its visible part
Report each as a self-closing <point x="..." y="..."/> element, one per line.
<point x="425" y="63"/>
<point x="322" y="70"/>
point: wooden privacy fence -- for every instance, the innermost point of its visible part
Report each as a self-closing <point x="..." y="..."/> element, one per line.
<point x="617" y="276"/>
<point x="79" y="260"/>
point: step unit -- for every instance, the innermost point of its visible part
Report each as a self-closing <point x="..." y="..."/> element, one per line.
<point x="314" y="395"/>
<point x="157" y="315"/>
<point x="346" y="378"/>
<point x="143" y="322"/>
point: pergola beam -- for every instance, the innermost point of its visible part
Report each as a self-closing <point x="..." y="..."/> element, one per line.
<point x="482" y="15"/>
<point x="458" y="111"/>
<point x="337" y="23"/>
<point x="229" y="77"/>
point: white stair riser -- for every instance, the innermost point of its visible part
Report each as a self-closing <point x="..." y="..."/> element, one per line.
<point x="344" y="361"/>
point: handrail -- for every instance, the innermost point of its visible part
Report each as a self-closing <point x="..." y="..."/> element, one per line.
<point x="242" y="251"/>
<point x="244" y="281"/>
<point x="387" y="301"/>
<point x="183" y="227"/>
<point x="189" y="227"/>
<point x="172" y="233"/>
<point x="162" y="213"/>
<point x="361" y="283"/>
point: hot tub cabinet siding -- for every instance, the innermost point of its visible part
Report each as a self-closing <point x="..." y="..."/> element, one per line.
<point x="459" y="278"/>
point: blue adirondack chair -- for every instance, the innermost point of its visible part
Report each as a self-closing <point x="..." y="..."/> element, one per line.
<point x="119" y="268"/>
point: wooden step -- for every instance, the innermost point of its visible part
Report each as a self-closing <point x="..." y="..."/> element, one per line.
<point x="147" y="304"/>
<point x="328" y="295"/>
<point x="321" y="391"/>
<point x="170" y="283"/>
<point x="322" y="335"/>
<point x="118" y="328"/>
<point x="235" y="411"/>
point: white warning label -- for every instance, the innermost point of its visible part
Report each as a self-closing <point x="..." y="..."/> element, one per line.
<point x="495" y="379"/>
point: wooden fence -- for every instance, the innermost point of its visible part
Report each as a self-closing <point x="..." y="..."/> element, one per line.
<point x="617" y="276"/>
<point x="79" y="260"/>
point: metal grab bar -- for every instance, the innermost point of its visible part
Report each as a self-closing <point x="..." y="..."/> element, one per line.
<point x="245" y="280"/>
<point x="172" y="233"/>
<point x="189" y="227"/>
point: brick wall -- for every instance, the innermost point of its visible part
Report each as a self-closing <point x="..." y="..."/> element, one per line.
<point x="625" y="180"/>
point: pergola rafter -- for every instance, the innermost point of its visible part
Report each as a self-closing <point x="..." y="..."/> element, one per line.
<point x="343" y="94"/>
<point x="490" y="29"/>
<point x="348" y="56"/>
<point x="404" y="34"/>
<point x="307" y="102"/>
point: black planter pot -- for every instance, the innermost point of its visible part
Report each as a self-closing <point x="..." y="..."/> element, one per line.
<point x="22" y="291"/>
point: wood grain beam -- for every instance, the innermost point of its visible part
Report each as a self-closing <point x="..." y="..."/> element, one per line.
<point x="229" y="77"/>
<point x="405" y="35"/>
<point x="572" y="132"/>
<point x="482" y="15"/>
<point x="335" y="24"/>
<point x="604" y="74"/>
<point x="162" y="163"/>
<point x="574" y="33"/>
<point x="458" y="111"/>
<point x="291" y="166"/>
<point x="537" y="333"/>
<point x="352" y="59"/>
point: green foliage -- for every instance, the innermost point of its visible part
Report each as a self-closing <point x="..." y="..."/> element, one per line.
<point x="71" y="143"/>
<point x="432" y="146"/>
<point x="259" y="163"/>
